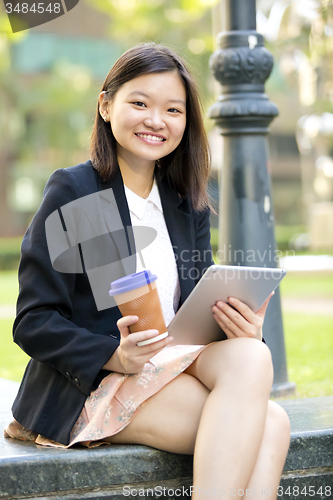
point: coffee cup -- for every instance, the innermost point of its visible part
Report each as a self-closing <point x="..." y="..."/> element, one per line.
<point x="136" y="294"/>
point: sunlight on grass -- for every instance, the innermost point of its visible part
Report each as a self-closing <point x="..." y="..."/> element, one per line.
<point x="310" y="284"/>
<point x="12" y="359"/>
<point x="8" y="287"/>
<point x="309" y="348"/>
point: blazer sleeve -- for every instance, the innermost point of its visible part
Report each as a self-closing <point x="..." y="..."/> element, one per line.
<point x="202" y="242"/>
<point x="43" y="326"/>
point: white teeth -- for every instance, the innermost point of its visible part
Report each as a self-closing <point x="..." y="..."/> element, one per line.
<point x="151" y="137"/>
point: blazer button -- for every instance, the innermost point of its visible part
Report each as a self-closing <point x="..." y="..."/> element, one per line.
<point x="68" y="375"/>
<point x="77" y="382"/>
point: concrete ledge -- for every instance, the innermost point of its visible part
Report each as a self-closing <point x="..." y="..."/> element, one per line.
<point x="28" y="471"/>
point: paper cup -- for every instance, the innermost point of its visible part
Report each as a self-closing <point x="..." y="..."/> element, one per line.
<point x="137" y="295"/>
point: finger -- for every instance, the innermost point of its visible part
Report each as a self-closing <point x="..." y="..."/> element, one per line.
<point x="234" y="315"/>
<point x="124" y="322"/>
<point x="155" y="347"/>
<point x="143" y="335"/>
<point x="236" y="323"/>
<point x="253" y="321"/>
<point x="136" y="338"/>
<point x="227" y="323"/>
<point x="262" y="311"/>
<point x="147" y="351"/>
<point x="242" y="308"/>
<point x="226" y="330"/>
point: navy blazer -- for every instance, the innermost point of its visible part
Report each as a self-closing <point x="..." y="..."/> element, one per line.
<point x="58" y="323"/>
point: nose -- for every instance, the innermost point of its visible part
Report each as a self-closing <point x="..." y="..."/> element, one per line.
<point x="154" y="120"/>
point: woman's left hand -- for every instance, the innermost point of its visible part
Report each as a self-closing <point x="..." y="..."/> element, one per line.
<point x="239" y="320"/>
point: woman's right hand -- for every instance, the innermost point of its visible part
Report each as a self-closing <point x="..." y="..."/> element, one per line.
<point x="129" y="357"/>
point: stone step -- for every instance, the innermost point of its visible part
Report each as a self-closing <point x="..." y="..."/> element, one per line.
<point x="126" y="471"/>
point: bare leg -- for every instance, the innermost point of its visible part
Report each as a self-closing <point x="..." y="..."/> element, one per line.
<point x="267" y="472"/>
<point x="239" y="374"/>
<point x="239" y="439"/>
<point x="169" y="420"/>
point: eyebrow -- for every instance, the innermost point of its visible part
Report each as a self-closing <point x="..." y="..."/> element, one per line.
<point x="138" y="92"/>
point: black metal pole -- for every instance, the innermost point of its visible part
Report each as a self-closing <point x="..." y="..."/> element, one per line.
<point x="240" y="15"/>
<point x="242" y="113"/>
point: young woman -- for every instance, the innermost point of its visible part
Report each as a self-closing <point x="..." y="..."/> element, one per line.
<point x="88" y="381"/>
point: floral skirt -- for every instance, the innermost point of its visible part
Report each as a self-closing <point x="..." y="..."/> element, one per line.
<point x="118" y="398"/>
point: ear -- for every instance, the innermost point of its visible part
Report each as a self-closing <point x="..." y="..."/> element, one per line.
<point x="103" y="106"/>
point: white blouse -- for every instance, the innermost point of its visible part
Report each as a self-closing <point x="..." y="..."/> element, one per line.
<point x="158" y="256"/>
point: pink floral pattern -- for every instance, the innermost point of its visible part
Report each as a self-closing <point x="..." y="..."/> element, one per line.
<point x="149" y="374"/>
<point x="118" y="398"/>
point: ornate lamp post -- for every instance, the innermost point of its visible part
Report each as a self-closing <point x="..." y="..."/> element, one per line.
<point x="242" y="113"/>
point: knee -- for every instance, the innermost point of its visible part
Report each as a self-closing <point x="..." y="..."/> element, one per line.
<point x="240" y="362"/>
<point x="261" y="355"/>
<point x="278" y="424"/>
<point x="252" y="359"/>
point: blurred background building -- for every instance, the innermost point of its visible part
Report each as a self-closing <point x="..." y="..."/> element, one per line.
<point x="50" y="78"/>
<point x="300" y="35"/>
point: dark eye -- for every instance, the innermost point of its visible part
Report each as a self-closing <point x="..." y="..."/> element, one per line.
<point x="140" y="104"/>
<point x="173" y="110"/>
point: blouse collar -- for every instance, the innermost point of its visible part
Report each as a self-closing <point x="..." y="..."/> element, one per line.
<point x="137" y="205"/>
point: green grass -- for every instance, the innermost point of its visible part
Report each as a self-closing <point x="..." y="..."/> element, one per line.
<point x="308" y="338"/>
<point x="10" y="251"/>
<point x="309" y="349"/>
<point x="11" y="244"/>
<point x="12" y="359"/>
<point x="317" y="285"/>
<point x="8" y="287"/>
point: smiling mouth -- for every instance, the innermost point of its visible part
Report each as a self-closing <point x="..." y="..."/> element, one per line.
<point x="151" y="137"/>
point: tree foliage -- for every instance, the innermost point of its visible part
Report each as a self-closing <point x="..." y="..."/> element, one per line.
<point x="184" y="25"/>
<point x="45" y="123"/>
<point x="46" y="116"/>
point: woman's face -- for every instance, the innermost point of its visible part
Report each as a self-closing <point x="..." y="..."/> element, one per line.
<point x="148" y="116"/>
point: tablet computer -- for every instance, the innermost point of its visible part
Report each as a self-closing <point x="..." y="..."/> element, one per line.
<point x="194" y="323"/>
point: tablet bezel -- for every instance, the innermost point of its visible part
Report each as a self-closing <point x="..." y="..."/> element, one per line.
<point x="252" y="285"/>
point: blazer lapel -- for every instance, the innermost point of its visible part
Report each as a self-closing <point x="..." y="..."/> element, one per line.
<point x="118" y="221"/>
<point x="117" y="185"/>
<point x="179" y="222"/>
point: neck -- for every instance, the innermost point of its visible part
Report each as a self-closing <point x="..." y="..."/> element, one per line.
<point x="138" y="179"/>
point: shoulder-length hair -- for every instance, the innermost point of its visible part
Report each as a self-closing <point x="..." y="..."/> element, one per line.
<point x="187" y="167"/>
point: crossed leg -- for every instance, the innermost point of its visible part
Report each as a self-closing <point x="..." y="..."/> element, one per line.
<point x="170" y="419"/>
<point x="242" y="439"/>
<point x="218" y="409"/>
